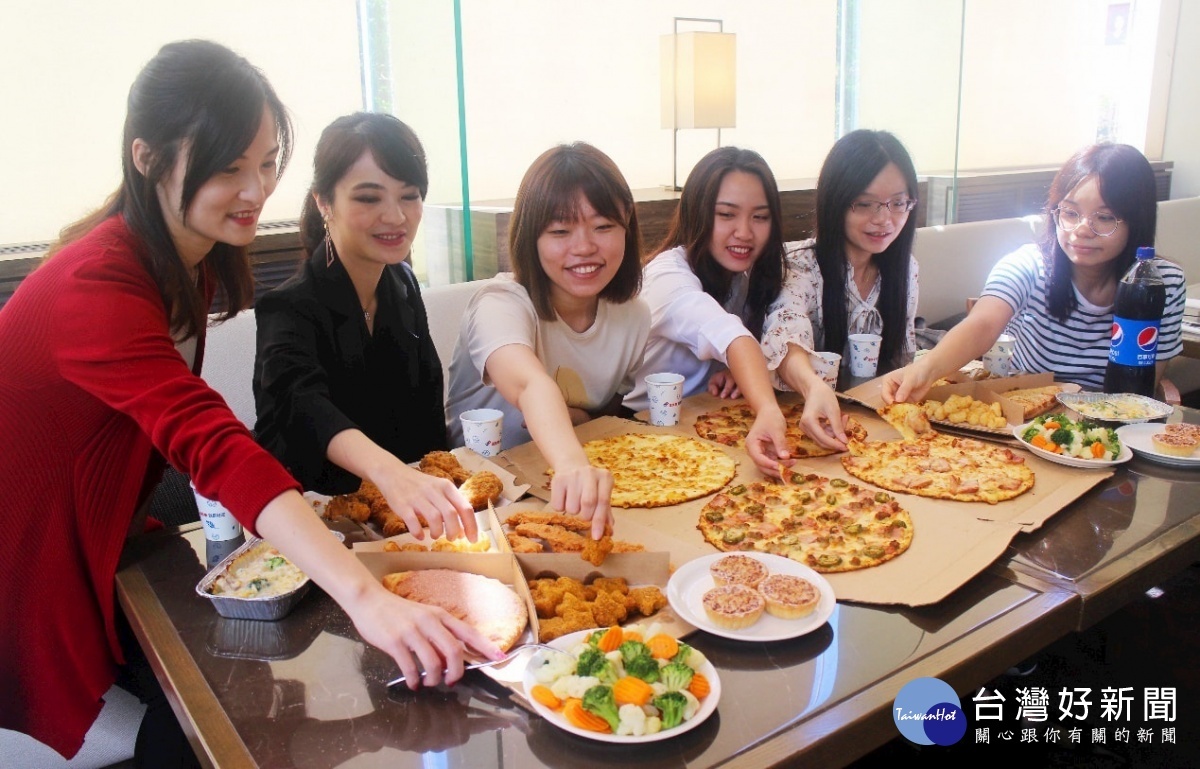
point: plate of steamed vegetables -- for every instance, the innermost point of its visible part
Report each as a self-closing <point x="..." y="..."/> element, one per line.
<point x="1073" y="442"/>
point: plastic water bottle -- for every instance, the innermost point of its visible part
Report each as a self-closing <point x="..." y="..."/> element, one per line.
<point x="1137" y="314"/>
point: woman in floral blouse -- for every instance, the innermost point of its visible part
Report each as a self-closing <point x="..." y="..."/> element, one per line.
<point x="857" y="276"/>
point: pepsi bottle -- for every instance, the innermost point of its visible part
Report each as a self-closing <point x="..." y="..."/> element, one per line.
<point x="1141" y="297"/>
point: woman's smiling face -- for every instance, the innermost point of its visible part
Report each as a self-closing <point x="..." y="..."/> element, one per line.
<point x="742" y="222"/>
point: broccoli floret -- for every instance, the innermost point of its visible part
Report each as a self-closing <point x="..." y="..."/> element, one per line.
<point x="599" y="700"/>
<point x="676" y="676"/>
<point x="633" y="649"/>
<point x="1029" y="433"/>
<point x="645" y="668"/>
<point x="671" y="705"/>
<point x="592" y="662"/>
<point x="1061" y="437"/>
<point x="683" y="653"/>
<point x="594" y="639"/>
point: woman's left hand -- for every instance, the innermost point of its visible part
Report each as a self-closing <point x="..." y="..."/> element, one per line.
<point x="823" y="420"/>
<point x="722" y="385"/>
<point x="766" y="443"/>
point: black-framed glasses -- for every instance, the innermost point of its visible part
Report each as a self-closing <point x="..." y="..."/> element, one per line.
<point x="1102" y="223"/>
<point x="873" y="207"/>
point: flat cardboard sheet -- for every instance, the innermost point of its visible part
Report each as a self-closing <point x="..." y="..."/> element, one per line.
<point x="953" y="541"/>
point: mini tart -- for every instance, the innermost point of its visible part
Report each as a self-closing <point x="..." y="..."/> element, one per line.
<point x="733" y="607"/>
<point x="789" y="597"/>
<point x="738" y="570"/>
<point x="1183" y="428"/>
<point x="1176" y="444"/>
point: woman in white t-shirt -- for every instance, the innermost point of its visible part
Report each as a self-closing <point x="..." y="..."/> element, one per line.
<point x="857" y="276"/>
<point x="709" y="285"/>
<point x="557" y="342"/>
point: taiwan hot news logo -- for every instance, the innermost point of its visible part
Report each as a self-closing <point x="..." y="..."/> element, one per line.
<point x="927" y="711"/>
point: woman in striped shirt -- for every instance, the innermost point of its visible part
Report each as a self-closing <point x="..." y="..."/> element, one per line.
<point x="1056" y="297"/>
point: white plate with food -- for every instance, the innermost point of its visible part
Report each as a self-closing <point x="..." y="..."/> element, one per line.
<point x="1057" y="438"/>
<point x="1140" y="438"/>
<point x="1115" y="407"/>
<point x="704" y="707"/>
<point x="690" y="582"/>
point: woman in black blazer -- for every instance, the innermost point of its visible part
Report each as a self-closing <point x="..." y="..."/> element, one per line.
<point x="347" y="382"/>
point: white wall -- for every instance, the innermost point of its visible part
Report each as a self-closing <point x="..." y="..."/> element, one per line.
<point x="1182" y="135"/>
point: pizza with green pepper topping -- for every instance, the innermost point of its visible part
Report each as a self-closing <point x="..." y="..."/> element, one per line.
<point x="830" y="525"/>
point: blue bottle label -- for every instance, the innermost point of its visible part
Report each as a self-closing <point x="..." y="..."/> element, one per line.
<point x="1134" y="342"/>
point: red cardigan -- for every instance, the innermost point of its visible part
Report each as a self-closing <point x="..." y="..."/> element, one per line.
<point x="90" y="386"/>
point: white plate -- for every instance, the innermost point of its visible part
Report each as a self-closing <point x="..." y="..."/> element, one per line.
<point x="708" y="705"/>
<point x="1137" y="437"/>
<point x="1081" y="403"/>
<point x="691" y="581"/>
<point x="1091" y="464"/>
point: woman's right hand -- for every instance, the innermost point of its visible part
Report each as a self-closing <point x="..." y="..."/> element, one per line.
<point x="822" y="419"/>
<point x="586" y="491"/>
<point x="417" y="637"/>
<point x="906" y="385"/>
<point x="417" y="497"/>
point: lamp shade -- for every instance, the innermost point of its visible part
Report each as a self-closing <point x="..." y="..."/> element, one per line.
<point x="699" y="80"/>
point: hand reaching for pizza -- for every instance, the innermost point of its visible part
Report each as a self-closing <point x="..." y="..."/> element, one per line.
<point x="722" y="385"/>
<point x="823" y="420"/>
<point x="906" y="385"/>
<point x="586" y="491"/>
<point x="766" y="443"/>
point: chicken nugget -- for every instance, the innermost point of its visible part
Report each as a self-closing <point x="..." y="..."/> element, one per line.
<point x="407" y="547"/>
<point x="646" y="600"/>
<point x="617" y="585"/>
<point x="559" y="539"/>
<point x="347" y="506"/>
<point x="572" y="586"/>
<point x="568" y="522"/>
<point x="546" y="596"/>
<point x="571" y="602"/>
<point x="481" y="489"/>
<point x="551" y="628"/>
<point x="520" y="544"/>
<point x="609" y="609"/>
<point x="596" y="550"/>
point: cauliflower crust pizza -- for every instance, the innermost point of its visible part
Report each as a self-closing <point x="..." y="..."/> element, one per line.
<point x="827" y="525"/>
<point x="658" y="470"/>
<point x="929" y="464"/>
<point x="730" y="425"/>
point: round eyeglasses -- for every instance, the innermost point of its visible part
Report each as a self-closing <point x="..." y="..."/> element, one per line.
<point x="1101" y="223"/>
<point x="872" y="208"/>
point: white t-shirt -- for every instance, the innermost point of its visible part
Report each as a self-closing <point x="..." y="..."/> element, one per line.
<point x="1075" y="350"/>
<point x="690" y="331"/>
<point x="589" y="367"/>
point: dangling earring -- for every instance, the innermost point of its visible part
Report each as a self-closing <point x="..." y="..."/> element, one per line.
<point x="328" y="242"/>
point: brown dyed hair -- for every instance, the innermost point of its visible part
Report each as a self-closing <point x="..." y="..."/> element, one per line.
<point x="202" y="96"/>
<point x="550" y="193"/>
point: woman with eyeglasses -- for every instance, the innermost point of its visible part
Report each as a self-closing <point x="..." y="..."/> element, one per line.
<point x="1056" y="297"/>
<point x="347" y="382"/>
<point x="709" y="284"/>
<point x="857" y="276"/>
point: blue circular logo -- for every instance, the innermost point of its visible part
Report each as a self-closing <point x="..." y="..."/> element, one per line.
<point x="927" y="711"/>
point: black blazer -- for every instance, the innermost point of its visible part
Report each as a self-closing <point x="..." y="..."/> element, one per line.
<point x="318" y="371"/>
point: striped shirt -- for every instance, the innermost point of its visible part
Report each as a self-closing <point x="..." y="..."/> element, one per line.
<point x="1075" y="350"/>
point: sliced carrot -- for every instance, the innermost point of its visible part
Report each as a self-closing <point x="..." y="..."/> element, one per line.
<point x="699" y="687"/>
<point x="578" y="717"/>
<point x="631" y="635"/>
<point x="1097" y="450"/>
<point x="632" y="691"/>
<point x="1052" y="426"/>
<point x="663" y="646"/>
<point x="611" y="640"/>
<point x="546" y="697"/>
<point x="1039" y="441"/>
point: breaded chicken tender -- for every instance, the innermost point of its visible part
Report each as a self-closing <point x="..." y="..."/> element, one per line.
<point x="347" y="506"/>
<point x="520" y="544"/>
<point x="559" y="539"/>
<point x="447" y="462"/>
<point x="620" y="546"/>
<point x="481" y="489"/>
<point x="569" y="522"/>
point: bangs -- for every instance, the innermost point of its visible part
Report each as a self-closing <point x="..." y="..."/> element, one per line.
<point x="564" y="189"/>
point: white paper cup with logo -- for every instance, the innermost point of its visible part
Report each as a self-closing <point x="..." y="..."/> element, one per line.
<point x="864" y="354"/>
<point x="826" y="364"/>
<point x="665" y="392"/>
<point x="998" y="363"/>
<point x="219" y="523"/>
<point x="1006" y="344"/>
<point x="482" y="430"/>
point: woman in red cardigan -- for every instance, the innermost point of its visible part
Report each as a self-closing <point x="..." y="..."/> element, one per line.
<point x="101" y="350"/>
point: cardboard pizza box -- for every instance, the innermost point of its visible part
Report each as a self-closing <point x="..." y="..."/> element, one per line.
<point x="486" y="520"/>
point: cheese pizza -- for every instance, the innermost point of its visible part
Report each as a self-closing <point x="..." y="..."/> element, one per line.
<point x="730" y="425"/>
<point x="657" y="470"/>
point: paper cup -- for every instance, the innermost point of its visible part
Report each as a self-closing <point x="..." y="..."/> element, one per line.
<point x="219" y="523"/>
<point x="1006" y="344"/>
<point x="826" y="364"/>
<point x="864" y="354"/>
<point x="482" y="430"/>
<point x="666" y="396"/>
<point x="998" y="364"/>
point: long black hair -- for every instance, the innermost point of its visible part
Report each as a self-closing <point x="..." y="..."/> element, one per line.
<point x="1127" y="186"/>
<point x="694" y="220"/>
<point x="202" y="98"/>
<point x="853" y="163"/>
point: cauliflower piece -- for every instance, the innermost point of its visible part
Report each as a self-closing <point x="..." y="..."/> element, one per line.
<point x="696" y="659"/>
<point x="553" y="667"/>
<point x="659" y="688"/>
<point x="693" y="704"/>
<point x="573" y="686"/>
<point x="633" y="721"/>
<point x="653" y="725"/>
